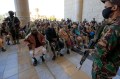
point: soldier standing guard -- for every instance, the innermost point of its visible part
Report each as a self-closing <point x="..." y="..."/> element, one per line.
<point x="14" y="26"/>
<point x="107" y="59"/>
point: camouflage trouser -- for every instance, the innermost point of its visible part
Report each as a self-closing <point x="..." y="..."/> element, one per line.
<point x="15" y="35"/>
<point x="97" y="73"/>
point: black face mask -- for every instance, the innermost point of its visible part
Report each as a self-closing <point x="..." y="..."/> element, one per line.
<point x="106" y="12"/>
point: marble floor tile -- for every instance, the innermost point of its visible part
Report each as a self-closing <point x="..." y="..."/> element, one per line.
<point x="27" y="74"/>
<point x="1" y="75"/>
<point x="75" y="59"/>
<point x="23" y="67"/>
<point x="10" y="66"/>
<point x="13" y="77"/>
<point x="71" y="70"/>
<point x="15" y="63"/>
<point x="118" y="73"/>
<point x="45" y="75"/>
<point x="57" y="70"/>
<point x="10" y="72"/>
<point x="117" y="77"/>
<point x="2" y="68"/>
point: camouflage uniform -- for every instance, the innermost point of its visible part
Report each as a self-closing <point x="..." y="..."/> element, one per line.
<point x="107" y="59"/>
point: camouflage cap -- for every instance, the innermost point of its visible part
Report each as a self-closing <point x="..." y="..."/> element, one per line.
<point x="117" y="2"/>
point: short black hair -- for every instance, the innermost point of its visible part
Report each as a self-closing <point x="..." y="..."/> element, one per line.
<point x="74" y="23"/>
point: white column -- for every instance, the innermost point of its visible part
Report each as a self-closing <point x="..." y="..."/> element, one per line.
<point x="79" y="10"/>
<point x="22" y="11"/>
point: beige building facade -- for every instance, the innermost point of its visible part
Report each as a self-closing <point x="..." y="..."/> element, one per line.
<point x="78" y="10"/>
<point x="72" y="9"/>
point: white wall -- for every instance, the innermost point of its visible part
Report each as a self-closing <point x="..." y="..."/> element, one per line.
<point x="47" y="8"/>
<point x="93" y="9"/>
<point x="72" y="9"/>
<point x="69" y="9"/>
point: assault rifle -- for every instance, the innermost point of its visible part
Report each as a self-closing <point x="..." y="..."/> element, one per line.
<point x="92" y="43"/>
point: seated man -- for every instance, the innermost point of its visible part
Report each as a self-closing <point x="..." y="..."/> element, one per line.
<point x="64" y="35"/>
<point x="36" y="42"/>
<point x="52" y="37"/>
<point x="76" y="34"/>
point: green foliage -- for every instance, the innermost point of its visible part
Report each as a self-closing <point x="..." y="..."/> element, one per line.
<point x="52" y="18"/>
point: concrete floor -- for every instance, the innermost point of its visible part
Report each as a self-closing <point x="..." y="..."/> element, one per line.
<point x="15" y="63"/>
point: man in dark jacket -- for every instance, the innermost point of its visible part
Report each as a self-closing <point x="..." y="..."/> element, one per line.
<point x="51" y="36"/>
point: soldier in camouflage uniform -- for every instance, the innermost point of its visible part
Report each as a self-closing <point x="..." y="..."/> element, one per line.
<point x="107" y="59"/>
<point x="14" y="26"/>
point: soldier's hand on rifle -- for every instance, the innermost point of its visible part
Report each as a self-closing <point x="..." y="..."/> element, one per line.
<point x="90" y="51"/>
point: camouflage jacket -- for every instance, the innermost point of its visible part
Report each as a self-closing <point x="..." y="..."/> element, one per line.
<point x="107" y="58"/>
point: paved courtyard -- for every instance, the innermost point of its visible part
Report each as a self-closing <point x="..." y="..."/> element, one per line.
<point x="15" y="63"/>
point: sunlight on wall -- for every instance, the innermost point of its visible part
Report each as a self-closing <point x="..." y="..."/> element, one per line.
<point x="6" y="5"/>
<point x="46" y="7"/>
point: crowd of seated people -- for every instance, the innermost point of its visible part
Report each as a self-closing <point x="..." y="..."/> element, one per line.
<point x="59" y="35"/>
<point x="64" y="34"/>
